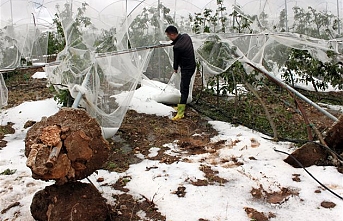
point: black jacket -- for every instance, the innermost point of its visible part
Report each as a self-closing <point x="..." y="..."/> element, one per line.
<point x="183" y="53"/>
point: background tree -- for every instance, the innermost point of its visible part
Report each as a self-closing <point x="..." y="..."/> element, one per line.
<point x="147" y="29"/>
<point x="263" y="19"/>
<point x="209" y="21"/>
<point x="318" y="24"/>
<point x="282" y="21"/>
<point x="309" y="69"/>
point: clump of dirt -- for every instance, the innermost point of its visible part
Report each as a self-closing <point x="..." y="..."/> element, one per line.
<point x="121" y="183"/>
<point x="334" y="138"/>
<point x="253" y="214"/>
<point x="321" y="155"/>
<point x="199" y="182"/>
<point x="296" y="177"/>
<point x="309" y="154"/>
<point x="71" y="201"/>
<point x="211" y="175"/>
<point x="128" y="208"/>
<point x="193" y="145"/>
<point x="67" y="146"/>
<point x="29" y="123"/>
<point x="180" y="192"/>
<point x="328" y="205"/>
<point x="273" y="197"/>
<point x="6" y="129"/>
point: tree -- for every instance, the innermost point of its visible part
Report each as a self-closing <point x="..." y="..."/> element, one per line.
<point x="70" y="28"/>
<point x="322" y="21"/>
<point x="263" y="19"/>
<point x="240" y="21"/>
<point x="313" y="71"/>
<point x="313" y="23"/>
<point x="147" y="29"/>
<point x="282" y="21"/>
<point x="56" y="38"/>
<point x="105" y="41"/>
<point x="208" y="20"/>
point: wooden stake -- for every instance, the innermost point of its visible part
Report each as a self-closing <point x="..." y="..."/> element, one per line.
<point x="50" y="163"/>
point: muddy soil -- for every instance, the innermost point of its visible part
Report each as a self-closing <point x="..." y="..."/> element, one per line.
<point x="22" y="87"/>
<point x="71" y="201"/>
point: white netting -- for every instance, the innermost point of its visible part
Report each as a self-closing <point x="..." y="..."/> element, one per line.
<point x="220" y="51"/>
<point x="23" y="36"/>
<point x="3" y="92"/>
<point x="110" y="46"/>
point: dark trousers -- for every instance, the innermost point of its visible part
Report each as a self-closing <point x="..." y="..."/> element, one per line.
<point x="186" y="76"/>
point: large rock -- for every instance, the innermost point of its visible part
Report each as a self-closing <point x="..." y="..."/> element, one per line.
<point x="334" y="136"/>
<point x="309" y="154"/>
<point x="67" y="146"/>
<point x="71" y="201"/>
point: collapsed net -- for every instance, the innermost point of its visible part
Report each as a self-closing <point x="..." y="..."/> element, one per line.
<point x="111" y="47"/>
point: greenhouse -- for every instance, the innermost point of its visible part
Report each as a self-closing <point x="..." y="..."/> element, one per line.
<point x="105" y="49"/>
<point x="268" y="81"/>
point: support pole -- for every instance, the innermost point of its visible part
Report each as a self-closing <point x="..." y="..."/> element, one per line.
<point x="79" y="94"/>
<point x="339" y="22"/>
<point x="11" y="13"/>
<point x="286" y="13"/>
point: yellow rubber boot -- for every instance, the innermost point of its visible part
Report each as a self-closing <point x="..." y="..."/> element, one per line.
<point x="180" y="112"/>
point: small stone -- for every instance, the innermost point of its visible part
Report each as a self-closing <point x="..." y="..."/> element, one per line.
<point x="296" y="177"/>
<point x="29" y="123"/>
<point x="100" y="179"/>
<point x="328" y="205"/>
<point x="51" y="135"/>
<point x="254" y="143"/>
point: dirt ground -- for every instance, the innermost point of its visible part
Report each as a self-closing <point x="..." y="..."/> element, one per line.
<point x="152" y="131"/>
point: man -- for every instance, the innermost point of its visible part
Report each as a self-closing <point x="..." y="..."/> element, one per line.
<point x="185" y="59"/>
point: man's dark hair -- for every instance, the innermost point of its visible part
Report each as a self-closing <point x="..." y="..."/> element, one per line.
<point x="171" y="30"/>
